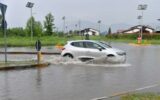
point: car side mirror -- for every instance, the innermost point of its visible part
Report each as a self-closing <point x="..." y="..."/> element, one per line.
<point x="99" y="48"/>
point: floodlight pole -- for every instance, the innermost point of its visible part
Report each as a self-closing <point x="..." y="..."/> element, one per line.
<point x="64" y="24"/>
<point x="79" y="24"/>
<point x="142" y="8"/>
<point x="31" y="25"/>
<point x="30" y="5"/>
<point x="139" y="19"/>
<point x="142" y="25"/>
<point x="99" y="22"/>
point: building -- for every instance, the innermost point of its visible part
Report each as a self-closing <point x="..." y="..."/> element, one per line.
<point x="90" y="31"/>
<point x="137" y="29"/>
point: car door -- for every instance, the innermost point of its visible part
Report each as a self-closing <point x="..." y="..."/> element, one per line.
<point x="79" y="49"/>
<point x="94" y="50"/>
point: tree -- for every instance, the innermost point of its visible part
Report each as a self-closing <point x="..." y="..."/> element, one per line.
<point x="109" y="31"/>
<point x="1" y="25"/>
<point x="0" y="20"/>
<point x="49" y="24"/>
<point x="36" y="27"/>
<point x="17" y="31"/>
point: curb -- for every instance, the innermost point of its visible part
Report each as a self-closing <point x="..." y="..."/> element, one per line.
<point x="134" y="44"/>
<point x="21" y="65"/>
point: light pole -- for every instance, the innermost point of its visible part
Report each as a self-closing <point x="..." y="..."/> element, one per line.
<point x="99" y="22"/>
<point x="30" y="5"/>
<point x="139" y="19"/>
<point x="142" y="7"/>
<point x="66" y="28"/>
<point x="64" y="23"/>
<point x="76" y="26"/>
<point x="75" y="29"/>
<point x="158" y="28"/>
<point x="79" y="24"/>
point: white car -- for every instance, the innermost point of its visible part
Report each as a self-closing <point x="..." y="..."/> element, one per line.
<point x="90" y="49"/>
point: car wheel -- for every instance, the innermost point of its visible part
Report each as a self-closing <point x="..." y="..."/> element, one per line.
<point x="68" y="55"/>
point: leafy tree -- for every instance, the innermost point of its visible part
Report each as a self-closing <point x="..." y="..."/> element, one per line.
<point x="49" y="24"/>
<point x="109" y="31"/>
<point x="18" y="31"/>
<point x="36" y="27"/>
<point x="0" y="20"/>
<point x="0" y="24"/>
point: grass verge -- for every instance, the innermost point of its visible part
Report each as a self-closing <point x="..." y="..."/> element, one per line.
<point x="56" y="40"/>
<point x="143" y="96"/>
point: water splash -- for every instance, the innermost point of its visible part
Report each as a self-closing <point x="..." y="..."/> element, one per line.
<point x="99" y="62"/>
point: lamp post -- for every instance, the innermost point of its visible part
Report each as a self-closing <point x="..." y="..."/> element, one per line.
<point x="79" y="24"/>
<point x="30" y="5"/>
<point x="99" y="22"/>
<point x="142" y="7"/>
<point x="139" y="18"/>
<point x="158" y="28"/>
<point x="64" y="23"/>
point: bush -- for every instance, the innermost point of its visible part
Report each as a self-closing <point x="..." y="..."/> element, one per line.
<point x="133" y="36"/>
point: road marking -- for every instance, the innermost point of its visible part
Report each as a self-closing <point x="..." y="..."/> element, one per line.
<point x="126" y="92"/>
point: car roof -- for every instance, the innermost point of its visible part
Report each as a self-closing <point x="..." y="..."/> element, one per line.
<point x="82" y="41"/>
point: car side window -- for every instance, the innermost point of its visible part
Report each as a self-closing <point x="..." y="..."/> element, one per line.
<point x="92" y="45"/>
<point x="77" y="44"/>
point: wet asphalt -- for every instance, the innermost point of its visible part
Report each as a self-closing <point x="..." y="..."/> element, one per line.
<point x="81" y="82"/>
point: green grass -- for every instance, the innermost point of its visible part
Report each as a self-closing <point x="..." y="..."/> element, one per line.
<point x="144" y="96"/>
<point x="55" y="40"/>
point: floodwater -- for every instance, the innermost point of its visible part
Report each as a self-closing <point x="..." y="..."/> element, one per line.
<point x="77" y="81"/>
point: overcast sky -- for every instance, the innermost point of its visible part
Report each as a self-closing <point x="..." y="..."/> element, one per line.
<point x="109" y="11"/>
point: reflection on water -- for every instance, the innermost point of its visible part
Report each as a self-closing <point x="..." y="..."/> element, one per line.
<point x="74" y="80"/>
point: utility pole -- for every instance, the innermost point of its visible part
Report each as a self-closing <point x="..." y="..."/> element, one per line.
<point x="99" y="23"/>
<point x="142" y="7"/>
<point x="79" y="24"/>
<point x="64" y="23"/>
<point x="30" y="5"/>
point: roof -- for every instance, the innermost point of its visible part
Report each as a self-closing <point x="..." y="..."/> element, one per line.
<point x="138" y="27"/>
<point x="82" y="41"/>
<point x="89" y="29"/>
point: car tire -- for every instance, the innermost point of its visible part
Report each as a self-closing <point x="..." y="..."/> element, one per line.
<point x="68" y="55"/>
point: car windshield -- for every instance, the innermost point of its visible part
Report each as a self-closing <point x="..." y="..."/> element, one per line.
<point x="104" y="44"/>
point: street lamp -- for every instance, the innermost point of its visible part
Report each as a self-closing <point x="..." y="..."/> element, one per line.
<point x="99" y="22"/>
<point x="79" y="24"/>
<point x="30" y="5"/>
<point x="158" y="28"/>
<point x="64" y="23"/>
<point x="142" y="7"/>
<point x="139" y="18"/>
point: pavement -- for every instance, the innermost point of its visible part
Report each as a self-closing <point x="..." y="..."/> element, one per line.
<point x="11" y="65"/>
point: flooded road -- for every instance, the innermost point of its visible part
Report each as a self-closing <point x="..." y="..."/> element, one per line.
<point x="82" y="82"/>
